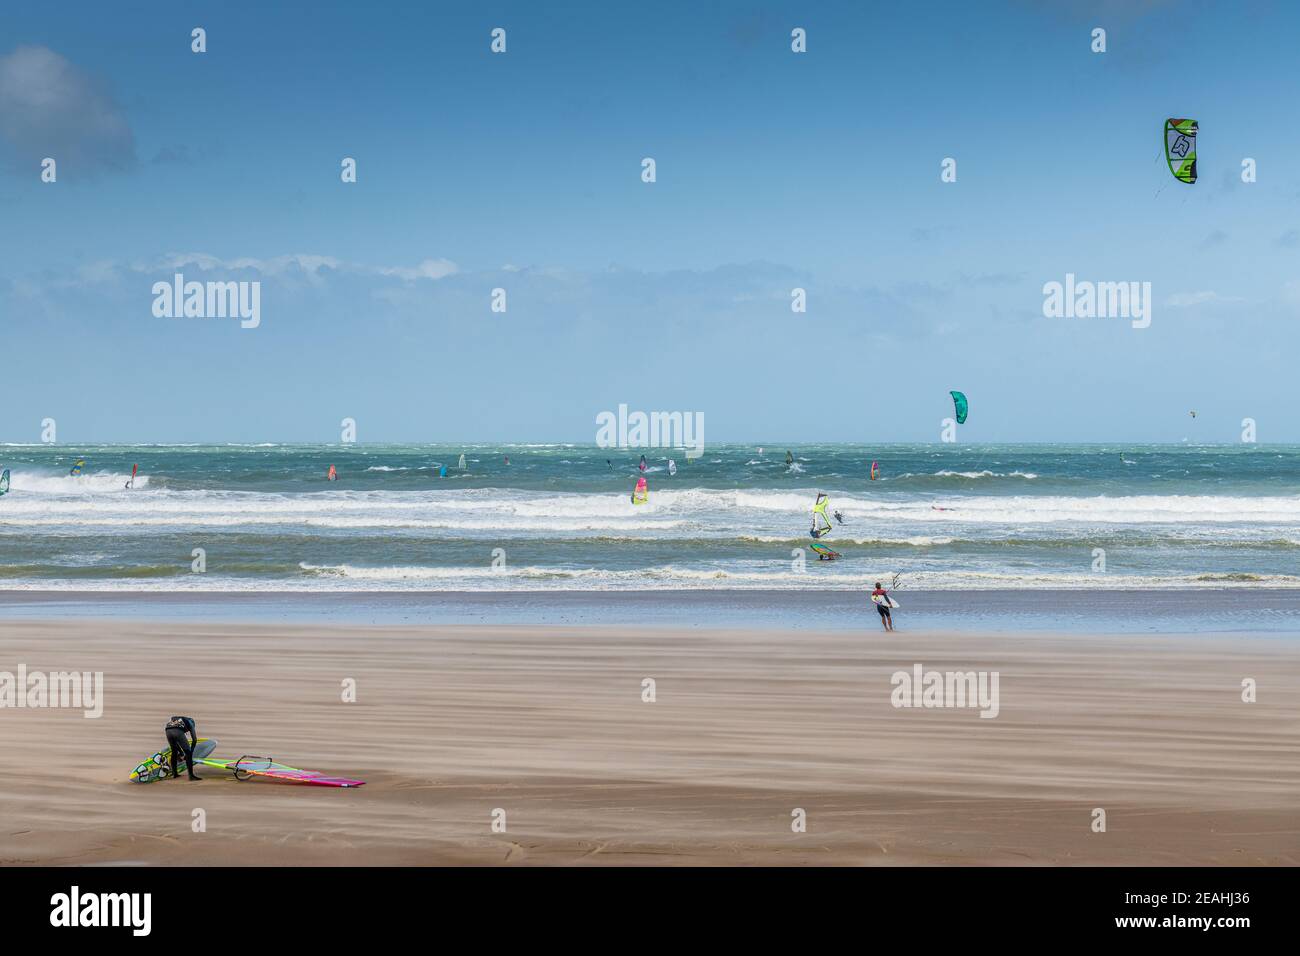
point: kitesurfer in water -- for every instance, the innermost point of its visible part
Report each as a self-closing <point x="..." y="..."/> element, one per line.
<point x="176" y="729"/>
<point x="881" y="598"/>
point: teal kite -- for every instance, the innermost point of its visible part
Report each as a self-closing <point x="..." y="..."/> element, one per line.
<point x="960" y="405"/>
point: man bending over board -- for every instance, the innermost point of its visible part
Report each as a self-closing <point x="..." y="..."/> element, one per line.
<point x="176" y="729"/>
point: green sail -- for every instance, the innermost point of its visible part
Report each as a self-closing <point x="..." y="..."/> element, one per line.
<point x="1180" y="149"/>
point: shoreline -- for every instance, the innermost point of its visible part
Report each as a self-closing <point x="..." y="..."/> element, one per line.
<point x="1171" y="611"/>
<point x="550" y="725"/>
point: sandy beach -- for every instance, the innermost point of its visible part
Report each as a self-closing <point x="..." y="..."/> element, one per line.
<point x="549" y="725"/>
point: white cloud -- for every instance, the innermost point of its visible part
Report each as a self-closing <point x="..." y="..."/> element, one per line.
<point x="428" y="269"/>
<point x="1182" y="300"/>
<point x="48" y="107"/>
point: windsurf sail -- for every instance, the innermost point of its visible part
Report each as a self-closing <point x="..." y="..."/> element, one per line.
<point x="4" y="482"/>
<point x="641" y="494"/>
<point x="824" y="553"/>
<point x="672" y="467"/>
<point x="960" y="406"/>
<point x="789" y="458"/>
<point x="77" y="468"/>
<point x="1180" y="149"/>
<point x="134" y="468"/>
<point x="249" y="766"/>
<point x="642" y="466"/>
<point x="875" y="471"/>
<point x="821" y="525"/>
<point x="462" y="461"/>
<point x="332" y="474"/>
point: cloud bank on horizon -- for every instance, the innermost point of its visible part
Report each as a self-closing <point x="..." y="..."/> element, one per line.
<point x="501" y="268"/>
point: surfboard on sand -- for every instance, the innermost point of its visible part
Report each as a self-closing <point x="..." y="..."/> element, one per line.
<point x="159" y="765"/>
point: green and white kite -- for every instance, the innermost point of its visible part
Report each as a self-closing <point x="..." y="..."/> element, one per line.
<point x="1180" y="149"/>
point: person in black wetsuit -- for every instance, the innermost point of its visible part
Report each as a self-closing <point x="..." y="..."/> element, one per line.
<point x="176" y="729"/>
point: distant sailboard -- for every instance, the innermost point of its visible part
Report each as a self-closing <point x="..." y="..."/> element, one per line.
<point x="822" y="527"/>
<point x="672" y="467"/>
<point x="134" y="468"/>
<point x="824" y="553"/>
<point x="462" y="461"/>
<point x="641" y="494"/>
<point x="77" y="468"/>
<point x="4" y="482"/>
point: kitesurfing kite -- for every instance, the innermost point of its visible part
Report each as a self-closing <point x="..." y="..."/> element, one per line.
<point x="4" y="482"/>
<point x="819" y="511"/>
<point x="960" y="405"/>
<point x="642" y="493"/>
<point x="1180" y="149"/>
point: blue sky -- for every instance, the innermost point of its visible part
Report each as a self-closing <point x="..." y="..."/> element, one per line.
<point x="522" y="171"/>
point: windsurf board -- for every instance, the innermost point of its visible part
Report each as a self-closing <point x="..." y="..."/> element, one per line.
<point x="159" y="765"/>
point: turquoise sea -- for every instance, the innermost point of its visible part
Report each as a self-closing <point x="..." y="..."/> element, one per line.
<point x="558" y="517"/>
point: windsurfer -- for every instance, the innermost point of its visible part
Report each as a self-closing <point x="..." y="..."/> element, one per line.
<point x="176" y="729"/>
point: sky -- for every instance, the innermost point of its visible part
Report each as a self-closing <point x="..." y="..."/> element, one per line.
<point x="522" y="171"/>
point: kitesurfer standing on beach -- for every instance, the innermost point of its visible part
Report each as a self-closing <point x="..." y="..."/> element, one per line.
<point x="880" y="597"/>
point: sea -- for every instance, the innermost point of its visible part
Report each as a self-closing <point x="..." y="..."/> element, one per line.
<point x="559" y="517"/>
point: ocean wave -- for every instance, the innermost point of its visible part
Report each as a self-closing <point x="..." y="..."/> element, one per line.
<point x="100" y="501"/>
<point x="817" y="576"/>
<point x="89" y="483"/>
